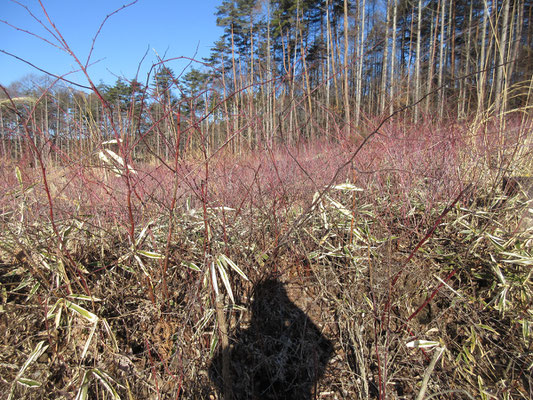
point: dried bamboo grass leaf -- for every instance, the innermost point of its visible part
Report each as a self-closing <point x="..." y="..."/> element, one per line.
<point x="84" y="388"/>
<point x="227" y="261"/>
<point x="422" y="344"/>
<point x="39" y="349"/>
<point x="89" y="316"/>
<point x="106" y="380"/>
<point x="347" y="187"/>
<point x="214" y="278"/>
<point x="110" y="333"/>
<point x="191" y="265"/>
<point x="30" y="383"/>
<point x="88" y="342"/>
<point x="225" y="279"/>
<point x="150" y="254"/>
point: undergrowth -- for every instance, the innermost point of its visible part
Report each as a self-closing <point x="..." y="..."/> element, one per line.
<point x="412" y="264"/>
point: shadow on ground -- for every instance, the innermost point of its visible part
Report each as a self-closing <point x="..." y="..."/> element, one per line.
<point x="280" y="356"/>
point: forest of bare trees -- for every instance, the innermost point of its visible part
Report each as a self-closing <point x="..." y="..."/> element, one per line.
<point x="287" y="71"/>
<point x="335" y="203"/>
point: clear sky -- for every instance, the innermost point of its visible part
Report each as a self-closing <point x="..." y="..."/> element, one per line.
<point x="169" y="28"/>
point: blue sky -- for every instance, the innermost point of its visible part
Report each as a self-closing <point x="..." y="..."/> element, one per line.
<point x="178" y="28"/>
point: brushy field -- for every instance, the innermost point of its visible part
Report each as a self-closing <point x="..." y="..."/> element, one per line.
<point x="400" y="270"/>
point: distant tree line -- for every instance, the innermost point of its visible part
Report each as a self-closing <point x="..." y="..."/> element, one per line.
<point x="286" y="71"/>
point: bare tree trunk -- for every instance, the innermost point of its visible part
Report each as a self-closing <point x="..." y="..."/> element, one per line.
<point x="346" y="88"/>
<point x="449" y="58"/>
<point x="360" y="65"/>
<point x="226" y="110"/>
<point x="432" y="51"/>
<point x="385" y="62"/>
<point x="463" y="91"/>
<point x="441" y="58"/>
<point x="407" y="68"/>
<point x="46" y="132"/>
<point x="393" y="57"/>
<point x="251" y="138"/>
<point x="238" y="96"/>
<point x="518" y="13"/>
<point x="451" y="35"/>
<point x="307" y="84"/>
<point x="483" y="62"/>
<point x="270" y="87"/>
<point x="501" y="78"/>
<point x="417" y="60"/>
<point x="293" y="122"/>
<point x="3" y="136"/>
<point x="328" y="57"/>
<point x="335" y="64"/>
<point x="58" y="127"/>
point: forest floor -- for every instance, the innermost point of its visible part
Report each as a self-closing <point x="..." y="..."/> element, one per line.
<point x="404" y="272"/>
